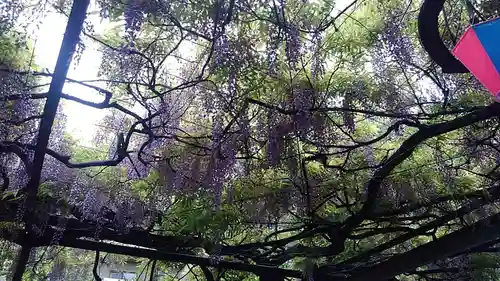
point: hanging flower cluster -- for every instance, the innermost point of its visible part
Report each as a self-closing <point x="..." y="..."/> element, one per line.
<point x="293" y="45"/>
<point x="272" y="49"/>
<point x="59" y="231"/>
<point x="136" y="169"/>
<point x="121" y="210"/>
<point x="53" y="170"/>
<point x="317" y="66"/>
<point x="57" y="272"/>
<point x="303" y="102"/>
<point x="122" y="65"/>
<point x="398" y="43"/>
<point x="223" y="159"/>
<point x="134" y="18"/>
<point x="10" y="11"/>
<point x="274" y="143"/>
<point x="18" y="123"/>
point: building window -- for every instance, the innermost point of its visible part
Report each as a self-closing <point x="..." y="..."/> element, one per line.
<point x="122" y="275"/>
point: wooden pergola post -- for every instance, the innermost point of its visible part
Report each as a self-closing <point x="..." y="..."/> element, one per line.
<point x="68" y="46"/>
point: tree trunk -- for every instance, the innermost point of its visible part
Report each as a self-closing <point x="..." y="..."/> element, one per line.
<point x="19" y="265"/>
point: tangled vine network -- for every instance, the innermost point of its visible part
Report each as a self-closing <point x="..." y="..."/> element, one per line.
<point x="281" y="139"/>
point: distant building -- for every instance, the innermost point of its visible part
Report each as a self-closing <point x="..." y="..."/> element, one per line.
<point x="124" y="272"/>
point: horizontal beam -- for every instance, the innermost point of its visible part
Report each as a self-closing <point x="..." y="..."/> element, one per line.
<point x="468" y="237"/>
<point x="485" y="196"/>
<point x="20" y="238"/>
<point x="182" y="258"/>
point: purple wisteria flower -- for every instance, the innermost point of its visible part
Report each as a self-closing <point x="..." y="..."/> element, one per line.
<point x="293" y="46"/>
<point x="302" y="100"/>
<point x="223" y="159"/>
<point x="57" y="273"/>
<point x="134" y="18"/>
<point x="231" y="84"/>
<point x="274" y="139"/>
<point x="398" y="43"/>
<point x="272" y="49"/>
<point x="317" y="65"/>
<point x="135" y="168"/>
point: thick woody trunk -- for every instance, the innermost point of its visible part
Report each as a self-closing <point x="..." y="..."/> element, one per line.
<point x="19" y="265"/>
